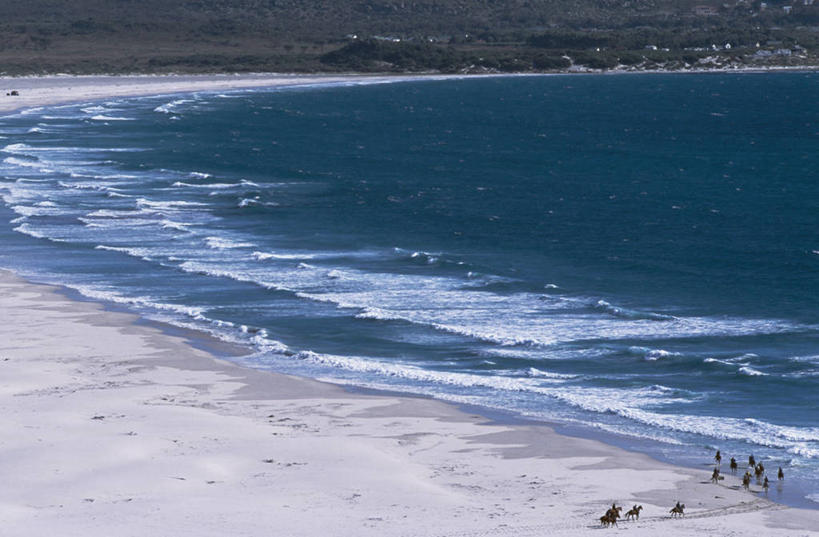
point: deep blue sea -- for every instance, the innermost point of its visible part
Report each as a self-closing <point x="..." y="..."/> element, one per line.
<point x="634" y="255"/>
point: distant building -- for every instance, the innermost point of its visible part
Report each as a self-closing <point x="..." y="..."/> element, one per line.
<point x="705" y="11"/>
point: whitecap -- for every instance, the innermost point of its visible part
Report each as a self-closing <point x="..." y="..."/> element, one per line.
<point x="26" y="229"/>
<point x="261" y="256"/>
<point x="170" y="224"/>
<point x="413" y="373"/>
<point x="178" y="204"/>
<point x="27" y="163"/>
<point x="750" y="371"/>
<point x="170" y="108"/>
<point x="222" y="243"/>
<point x="216" y="186"/>
<point x="534" y="372"/>
<point x="625" y="313"/>
<point x="140" y="253"/>
<point x="111" y="118"/>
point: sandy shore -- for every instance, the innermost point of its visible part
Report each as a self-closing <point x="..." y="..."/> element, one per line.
<point x="110" y="426"/>
<point x="38" y="91"/>
<point x="114" y="428"/>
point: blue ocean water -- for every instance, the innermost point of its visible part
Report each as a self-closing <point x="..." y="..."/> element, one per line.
<point x="637" y="255"/>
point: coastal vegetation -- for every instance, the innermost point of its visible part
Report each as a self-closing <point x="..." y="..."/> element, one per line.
<point x="450" y="36"/>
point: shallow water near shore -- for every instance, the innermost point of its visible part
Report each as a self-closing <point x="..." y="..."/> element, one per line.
<point x="635" y="255"/>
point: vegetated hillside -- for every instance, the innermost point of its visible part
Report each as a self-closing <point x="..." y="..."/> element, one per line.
<point x="387" y="35"/>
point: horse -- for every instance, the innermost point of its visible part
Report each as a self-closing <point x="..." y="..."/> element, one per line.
<point x="678" y="510"/>
<point x="751" y="461"/>
<point x="718" y="458"/>
<point x="608" y="520"/>
<point x="780" y="474"/>
<point x="715" y="476"/>
<point x="614" y="512"/>
<point x="634" y="512"/>
<point x="746" y="481"/>
<point x="733" y="465"/>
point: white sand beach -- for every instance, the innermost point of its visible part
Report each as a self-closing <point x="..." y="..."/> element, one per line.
<point x="110" y="425"/>
<point x="39" y="91"/>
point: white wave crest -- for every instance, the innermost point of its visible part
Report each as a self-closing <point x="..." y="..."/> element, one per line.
<point x="170" y="224"/>
<point x="101" y="117"/>
<point x="535" y="372"/>
<point x="26" y="229"/>
<point x="23" y="163"/>
<point x="222" y="243"/>
<point x="410" y="372"/>
<point x="178" y="204"/>
<point x="170" y="108"/>
<point x="140" y="253"/>
<point x="751" y="372"/>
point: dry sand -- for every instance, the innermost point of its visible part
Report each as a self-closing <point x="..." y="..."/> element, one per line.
<point x="38" y="91"/>
<point x="113" y="427"/>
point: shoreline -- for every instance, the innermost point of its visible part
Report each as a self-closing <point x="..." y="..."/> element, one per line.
<point x="510" y="433"/>
<point x="57" y="89"/>
<point x="235" y="352"/>
<point x="66" y="89"/>
<point x="162" y="420"/>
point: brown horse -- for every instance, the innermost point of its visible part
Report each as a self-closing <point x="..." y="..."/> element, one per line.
<point x="781" y="474"/>
<point x="634" y="512"/>
<point x="614" y="510"/>
<point x="746" y="481"/>
<point x="715" y="476"/>
<point x="678" y="510"/>
<point x="608" y="520"/>
<point x="734" y="465"/>
<point x="718" y="458"/>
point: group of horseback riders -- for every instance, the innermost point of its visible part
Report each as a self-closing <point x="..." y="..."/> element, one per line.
<point x="611" y="516"/>
<point x="613" y="513"/>
<point x="758" y="468"/>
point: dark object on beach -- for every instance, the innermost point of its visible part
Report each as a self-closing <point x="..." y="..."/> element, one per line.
<point x="634" y="512"/>
<point x="608" y="520"/>
<point x="751" y="461"/>
<point x="715" y="477"/>
<point x="746" y="481"/>
<point x="759" y="470"/>
<point x="765" y="485"/>
<point x="678" y="510"/>
<point x="733" y="465"/>
<point x="780" y="474"/>
<point x="611" y="516"/>
<point x="718" y="457"/>
<point x="13" y="93"/>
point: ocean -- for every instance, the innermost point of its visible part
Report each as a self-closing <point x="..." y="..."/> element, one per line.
<point x="633" y="256"/>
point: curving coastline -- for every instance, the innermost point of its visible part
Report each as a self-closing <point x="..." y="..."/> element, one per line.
<point x="469" y="483"/>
